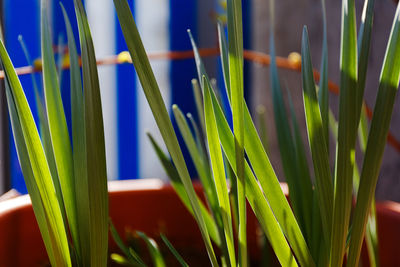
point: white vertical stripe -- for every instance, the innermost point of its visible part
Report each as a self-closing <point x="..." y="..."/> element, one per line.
<point x="102" y="24"/>
<point x="152" y="17"/>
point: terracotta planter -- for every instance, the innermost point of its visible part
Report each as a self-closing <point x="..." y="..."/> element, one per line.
<point x="152" y="207"/>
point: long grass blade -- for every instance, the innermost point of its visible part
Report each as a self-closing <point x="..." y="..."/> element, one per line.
<point x="118" y="240"/>
<point x="155" y="252"/>
<point x="223" y="46"/>
<point x="40" y="168"/>
<point x="44" y="130"/>
<point x="217" y="165"/>
<point x="179" y="188"/>
<point x="364" y="43"/>
<point x="317" y="139"/>
<point x="95" y="145"/>
<point x="323" y="93"/>
<point x="264" y="172"/>
<point x="254" y="194"/>
<point x="199" y="104"/>
<point x="347" y="132"/>
<point x="79" y="145"/>
<point x="202" y="167"/>
<point x="235" y="61"/>
<point x="285" y="138"/>
<point x="306" y="187"/>
<point x="388" y="84"/>
<point x="58" y="127"/>
<point x="174" y="251"/>
<point x="29" y="178"/>
<point x="153" y="95"/>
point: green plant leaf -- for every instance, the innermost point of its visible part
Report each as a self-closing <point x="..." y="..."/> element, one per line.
<point x="317" y="139"/>
<point x="199" y="104"/>
<point x="218" y="170"/>
<point x="235" y="61"/>
<point x="179" y="188"/>
<point x="95" y="145"/>
<point x="29" y="178"/>
<point x="174" y="251"/>
<point x="263" y="170"/>
<point x="223" y="46"/>
<point x="58" y="127"/>
<point x="285" y="138"/>
<point x="155" y="252"/>
<point x="79" y="145"/>
<point x="364" y="43"/>
<point x="38" y="162"/>
<point x="202" y="167"/>
<point x="323" y="93"/>
<point x="388" y="84"/>
<point x="306" y="187"/>
<point x="347" y="132"/>
<point x="153" y="95"/>
<point x="137" y="261"/>
<point x="44" y="130"/>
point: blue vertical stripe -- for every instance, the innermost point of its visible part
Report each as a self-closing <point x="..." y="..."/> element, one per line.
<point x="183" y="16"/>
<point x="127" y="112"/>
<point x="17" y="13"/>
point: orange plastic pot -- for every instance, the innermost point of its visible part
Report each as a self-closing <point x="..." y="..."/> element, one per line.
<point x="153" y="207"/>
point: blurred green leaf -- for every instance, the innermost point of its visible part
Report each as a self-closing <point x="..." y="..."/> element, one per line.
<point x="317" y="140"/>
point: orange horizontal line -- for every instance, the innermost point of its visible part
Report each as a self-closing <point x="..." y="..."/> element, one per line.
<point x="253" y="56"/>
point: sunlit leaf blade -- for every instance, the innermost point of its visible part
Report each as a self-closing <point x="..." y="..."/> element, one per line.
<point x="235" y="61"/>
<point x="204" y="171"/>
<point x="388" y="84"/>
<point x="40" y="168"/>
<point x="347" y="132"/>
<point x="29" y="178"/>
<point x="155" y="252"/>
<point x="199" y="104"/>
<point x="199" y="139"/>
<point x="95" y="145"/>
<point x="223" y="46"/>
<point x="58" y="127"/>
<point x="118" y="240"/>
<point x="202" y="167"/>
<point x="218" y="170"/>
<point x="317" y="139"/>
<point x="179" y="188"/>
<point x="79" y="145"/>
<point x="263" y="170"/>
<point x="174" y="251"/>
<point x="254" y="194"/>
<point x="269" y="184"/>
<point x="323" y="93"/>
<point x="153" y="95"/>
<point x="44" y="130"/>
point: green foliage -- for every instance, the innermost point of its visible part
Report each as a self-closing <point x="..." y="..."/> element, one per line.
<point x="67" y="180"/>
<point x="59" y="174"/>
